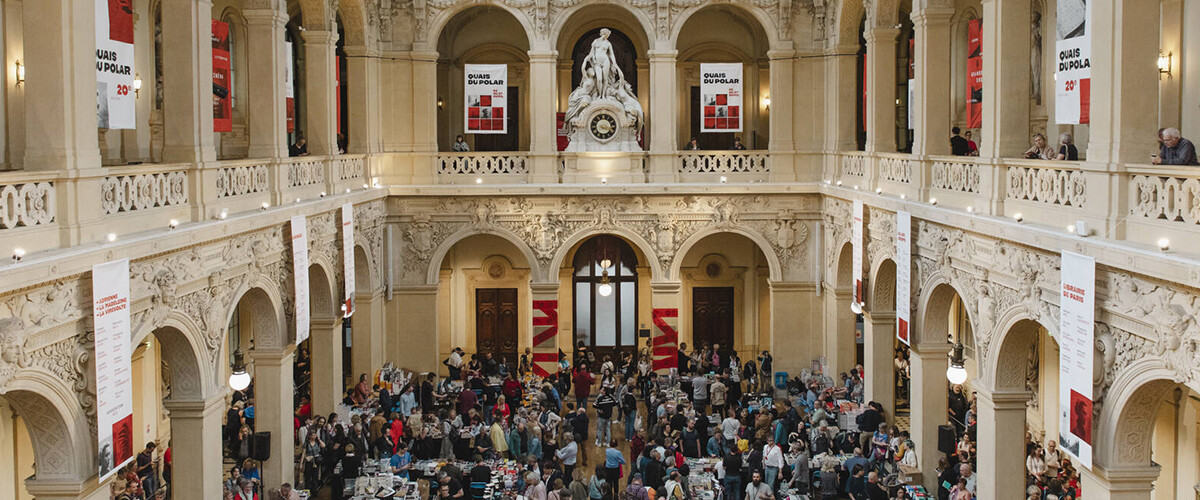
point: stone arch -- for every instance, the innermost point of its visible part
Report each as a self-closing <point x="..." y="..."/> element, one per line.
<point x="1004" y="363"/>
<point x="322" y="292"/>
<point x="773" y="264"/>
<point x="268" y="324"/>
<point x="63" y="445"/>
<point x="850" y="17"/>
<point x="364" y="278"/>
<point x="765" y="25"/>
<point x="435" y="261"/>
<point x="635" y="23"/>
<point x="354" y="22"/>
<point x="316" y="14"/>
<point x="882" y="292"/>
<point x="1124" y="432"/>
<point x="844" y="271"/>
<point x="728" y="51"/>
<point x="568" y="245"/>
<point x="185" y="351"/>
<point x="933" y="311"/>
<point x="443" y="18"/>
<point x="883" y="13"/>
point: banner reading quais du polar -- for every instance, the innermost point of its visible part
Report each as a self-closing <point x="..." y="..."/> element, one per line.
<point x="486" y="93"/>
<point x="1076" y="337"/>
<point x="114" y="371"/>
<point x="721" y="97"/>
<point x="300" y="273"/>
<point x="115" y="99"/>
<point x="1073" y="62"/>
<point x="903" y="274"/>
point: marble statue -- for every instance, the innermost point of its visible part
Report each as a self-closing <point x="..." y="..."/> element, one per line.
<point x="603" y="114"/>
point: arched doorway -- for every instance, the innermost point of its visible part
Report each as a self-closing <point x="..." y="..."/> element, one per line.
<point x="604" y="289"/>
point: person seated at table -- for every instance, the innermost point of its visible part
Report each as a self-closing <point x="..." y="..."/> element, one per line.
<point x="1039" y="150"/>
<point x="737" y="144"/>
<point x="1175" y="150"/>
<point x="1066" y="148"/>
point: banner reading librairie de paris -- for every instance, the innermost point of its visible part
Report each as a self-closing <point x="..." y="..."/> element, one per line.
<point x="486" y="92"/>
<point x="114" y="371"/>
<point x="115" y="98"/>
<point x="1076" y="344"/>
<point x="222" y="70"/>
<point x="721" y="97"/>
<point x="1073" y="62"/>
<point x="348" y="255"/>
<point x="903" y="274"/>
<point x="856" y="242"/>
<point x="300" y="275"/>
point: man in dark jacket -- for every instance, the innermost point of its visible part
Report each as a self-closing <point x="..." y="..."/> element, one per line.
<point x="655" y="474"/>
<point x="385" y="399"/>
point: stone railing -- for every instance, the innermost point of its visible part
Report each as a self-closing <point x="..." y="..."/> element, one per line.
<point x="26" y="202"/>
<point x="1165" y="193"/>
<point x="248" y="178"/>
<point x="955" y="174"/>
<point x="896" y="168"/>
<point x="853" y="164"/>
<point x="304" y="171"/>
<point x="142" y="191"/>
<point x="481" y="163"/>
<point x="349" y="167"/>
<point x="723" y="162"/>
<point x="1054" y="183"/>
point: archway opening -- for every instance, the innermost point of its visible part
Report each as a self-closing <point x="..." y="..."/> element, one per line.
<point x="604" y="291"/>
<point x="726" y="299"/>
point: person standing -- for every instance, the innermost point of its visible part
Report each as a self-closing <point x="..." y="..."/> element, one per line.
<point x="958" y="144"/>
<point x="732" y="463"/>
<point x="613" y="460"/>
<point x="604" y="408"/>
<point x="729" y="430"/>
<point x="568" y="454"/>
<point x="772" y="461"/>
<point x="759" y="489"/>
<point x="460" y="145"/>
<point x="145" y="468"/>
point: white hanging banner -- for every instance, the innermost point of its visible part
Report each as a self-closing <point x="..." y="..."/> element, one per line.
<point x="289" y="88"/>
<point x="721" y="97"/>
<point x="115" y="97"/>
<point x="300" y="273"/>
<point x="486" y="92"/>
<point x="114" y="371"/>
<point x="348" y="255"/>
<point x="1073" y="66"/>
<point x="856" y="236"/>
<point x="1076" y="337"/>
<point x="903" y="274"/>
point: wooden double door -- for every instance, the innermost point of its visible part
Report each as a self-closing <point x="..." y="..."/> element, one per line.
<point x="713" y="316"/>
<point x="496" y="323"/>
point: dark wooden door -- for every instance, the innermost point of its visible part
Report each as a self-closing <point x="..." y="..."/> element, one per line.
<point x="712" y="316"/>
<point x="496" y="322"/>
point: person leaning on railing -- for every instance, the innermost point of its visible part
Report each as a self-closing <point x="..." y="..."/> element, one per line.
<point x="1175" y="150"/>
<point x="1039" y="150"/>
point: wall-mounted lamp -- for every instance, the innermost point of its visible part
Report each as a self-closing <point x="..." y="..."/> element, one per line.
<point x="1164" y="64"/>
<point x="20" y="72"/>
<point x="956" y="373"/>
<point x="440" y="103"/>
<point x="137" y="86"/>
<point x="767" y="102"/>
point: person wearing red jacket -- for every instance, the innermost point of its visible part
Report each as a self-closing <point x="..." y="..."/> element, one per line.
<point x="583" y="384"/>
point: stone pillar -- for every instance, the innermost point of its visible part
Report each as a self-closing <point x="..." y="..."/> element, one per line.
<point x="366" y="346"/>
<point x="320" y="99"/>
<point x="881" y="89"/>
<point x="267" y="69"/>
<point x="66" y="489"/>
<point x="545" y="330"/>
<point x="60" y="128"/>
<point x="879" y="330"/>
<point x="187" y="82"/>
<point x="932" y="81"/>
<point x="274" y="412"/>
<point x="196" y="447"/>
<point x="793" y="304"/>
<point x="928" y="400"/>
<point x="1119" y="483"/>
<point x="1125" y="83"/>
<point x="664" y="335"/>
<point x="838" y="330"/>
<point x="424" y="113"/>
<point x="841" y="93"/>
<point x="1005" y="131"/>
<point x="363" y="96"/>
<point x="1001" y="444"/>
<point x="415" y="312"/>
<point x="782" y="143"/>
<point x="663" y="116"/>
<point x="327" y="383"/>
<point x="543" y="143"/>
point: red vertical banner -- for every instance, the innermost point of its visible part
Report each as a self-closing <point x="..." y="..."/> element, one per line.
<point x="222" y="104"/>
<point x="289" y="90"/>
<point x="337" y="89"/>
<point x="564" y="140"/>
<point x="664" y="343"/>
<point x="975" y="73"/>
<point x="545" y="329"/>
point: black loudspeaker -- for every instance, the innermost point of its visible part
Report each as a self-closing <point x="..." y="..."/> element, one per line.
<point x="261" y="446"/>
<point x="946" y="439"/>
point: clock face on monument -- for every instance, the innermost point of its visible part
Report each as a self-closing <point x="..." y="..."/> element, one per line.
<point x="603" y="126"/>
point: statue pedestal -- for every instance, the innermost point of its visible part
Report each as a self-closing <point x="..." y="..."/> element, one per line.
<point x="618" y="167"/>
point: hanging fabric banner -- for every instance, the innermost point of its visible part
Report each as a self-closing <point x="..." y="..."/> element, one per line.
<point x="975" y="73"/>
<point x="114" y="370"/>
<point x="115" y="99"/>
<point x="545" y="329"/>
<point x="222" y="85"/>
<point x="664" y="344"/>
<point x="486" y="94"/>
<point x="289" y="88"/>
<point x="300" y="275"/>
<point x="721" y="97"/>
<point x="1076" y="345"/>
<point x="856" y="236"/>
<point x="1073" y="63"/>
<point x="903" y="274"/>
<point x="348" y="256"/>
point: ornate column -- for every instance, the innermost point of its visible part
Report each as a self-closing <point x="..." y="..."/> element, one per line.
<point x="781" y="144"/>
<point x="196" y="447"/>
<point x="928" y="401"/>
<point x="320" y="100"/>
<point x="792" y="303"/>
<point x="65" y="489"/>
<point x="187" y="82"/>
<point x="366" y="347"/>
<point x="1119" y="483"/>
<point x="545" y="328"/>
<point x="879" y="330"/>
<point x="881" y="89"/>
<point x="267" y="70"/>
<point x="841" y="92"/>
<point x="664" y="314"/>
<point x="1005" y="131"/>
<point x="1125" y="83"/>
<point x="363" y="93"/>
<point x="663" y="116"/>
<point x="326" y="339"/>
<point x="60" y="125"/>
<point x="932" y="81"/>
<point x="416" y="318"/>
<point x="1001" y="452"/>
<point x="543" y="144"/>
<point x="274" y="407"/>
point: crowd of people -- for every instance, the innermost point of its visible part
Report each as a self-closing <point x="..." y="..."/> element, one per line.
<point x="1173" y="149"/>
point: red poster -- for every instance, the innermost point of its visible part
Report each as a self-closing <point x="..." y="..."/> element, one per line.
<point x="975" y="73"/>
<point x="120" y="21"/>
<point x="563" y="139"/>
<point x="665" y="340"/>
<point x="222" y="104"/>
